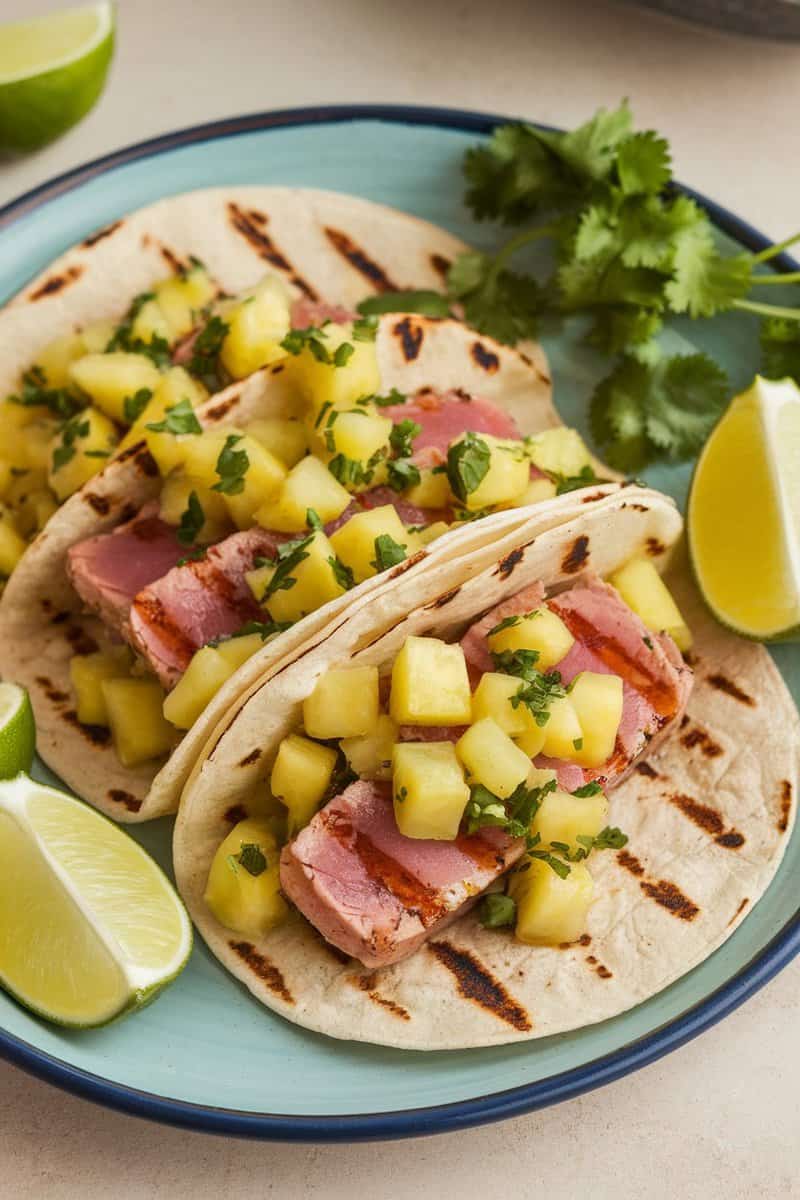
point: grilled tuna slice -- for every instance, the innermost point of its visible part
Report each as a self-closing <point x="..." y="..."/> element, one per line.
<point x="108" y="570"/>
<point x="200" y="600"/>
<point x="378" y="895"/>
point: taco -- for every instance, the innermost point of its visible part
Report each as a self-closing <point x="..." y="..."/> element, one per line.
<point x="518" y="810"/>
<point x="234" y="526"/>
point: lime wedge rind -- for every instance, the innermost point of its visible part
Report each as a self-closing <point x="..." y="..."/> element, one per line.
<point x="66" y="954"/>
<point x="17" y="731"/>
<point x="45" y="90"/>
<point x="743" y="520"/>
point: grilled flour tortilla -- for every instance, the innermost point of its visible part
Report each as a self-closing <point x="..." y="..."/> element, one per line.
<point x="708" y="816"/>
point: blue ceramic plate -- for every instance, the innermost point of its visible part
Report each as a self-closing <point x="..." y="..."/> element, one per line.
<point x="206" y="1055"/>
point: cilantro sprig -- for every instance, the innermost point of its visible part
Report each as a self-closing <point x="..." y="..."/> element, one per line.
<point x="629" y="252"/>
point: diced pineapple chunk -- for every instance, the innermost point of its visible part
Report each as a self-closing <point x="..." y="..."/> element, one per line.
<point x="339" y="387"/>
<point x="563" y="732"/>
<point x="12" y="546"/>
<point x="371" y="756"/>
<point x="285" y="437"/>
<point x="257" y="324"/>
<point x="561" y="451"/>
<point x="542" y="631"/>
<point x="532" y="739"/>
<point x="432" y="491"/>
<point x="355" y="541"/>
<point x="28" y="500"/>
<point x="87" y="673"/>
<point x="430" y="794"/>
<point x="13" y="418"/>
<point x="109" y="378"/>
<point x="643" y="590"/>
<point x="344" y="704"/>
<point x="563" y="818"/>
<point x="176" y="491"/>
<point x="243" y="888"/>
<point x="551" y="910"/>
<point x="182" y="297"/>
<point x="357" y="434"/>
<point x="150" y="323"/>
<point x="492" y="758"/>
<point x="31" y="448"/>
<point x="506" y="478"/>
<point x="309" y="484"/>
<point x="264" y="476"/>
<point x="237" y="650"/>
<point x="201" y="453"/>
<point x="41" y="505"/>
<point x="97" y="335"/>
<point x="79" y="451"/>
<point x="537" y="490"/>
<point x="135" y="716"/>
<point x="597" y="700"/>
<point x="55" y="358"/>
<point x="316" y="582"/>
<point x="5" y="477"/>
<point x="200" y="682"/>
<point x="300" y="777"/>
<point x="492" y="698"/>
<point x="430" y="685"/>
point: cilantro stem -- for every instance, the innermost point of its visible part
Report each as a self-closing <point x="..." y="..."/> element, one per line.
<point x="771" y="251"/>
<point x="510" y="248"/>
<point x="790" y="277"/>
<point x="768" y="310"/>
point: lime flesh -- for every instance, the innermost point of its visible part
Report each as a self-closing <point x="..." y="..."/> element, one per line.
<point x="52" y="71"/>
<point x="17" y="731"/>
<point x="744" y="513"/>
<point x="89" y="925"/>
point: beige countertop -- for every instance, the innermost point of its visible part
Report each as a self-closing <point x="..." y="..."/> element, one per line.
<point x="719" y="1118"/>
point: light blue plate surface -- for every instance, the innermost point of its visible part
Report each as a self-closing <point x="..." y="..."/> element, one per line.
<point x="206" y="1054"/>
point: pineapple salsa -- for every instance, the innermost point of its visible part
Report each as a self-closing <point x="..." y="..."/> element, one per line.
<point x="513" y="754"/>
<point x="273" y="518"/>
<point x="92" y="392"/>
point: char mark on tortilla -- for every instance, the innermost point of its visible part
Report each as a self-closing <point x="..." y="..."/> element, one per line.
<point x="367" y="983"/>
<point x="486" y="359"/>
<point x="663" y="891"/>
<point x="511" y="560"/>
<point x="411" y="335"/>
<point x="723" y="684"/>
<point x="707" y="819"/>
<point x="742" y="905"/>
<point x="266" y="971"/>
<point x="118" y="796"/>
<point x="100" y="504"/>
<point x="251" y="758"/>
<point x="786" y="805"/>
<point x="476" y="983"/>
<point x="251" y="225"/>
<point x="80" y="641"/>
<point x="445" y="598"/>
<point x="358" y="258"/>
<point x="654" y="546"/>
<point x="57" y="283"/>
<point x="645" y="769"/>
<point x="99" y="234"/>
<point x="175" y="263"/>
<point x="235" y="814"/>
<point x="441" y="265"/>
<point x="698" y="738"/>
<point x="98" y="735"/>
<point x="51" y="691"/>
<point x="577" y="556"/>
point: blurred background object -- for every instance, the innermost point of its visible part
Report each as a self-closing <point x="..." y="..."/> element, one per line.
<point x="52" y="71"/>
<point x="761" y="18"/>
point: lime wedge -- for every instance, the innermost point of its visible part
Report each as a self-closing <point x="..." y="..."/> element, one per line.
<point x="744" y="513"/>
<point x="52" y="70"/>
<point x="17" y="731"/>
<point x="90" y="927"/>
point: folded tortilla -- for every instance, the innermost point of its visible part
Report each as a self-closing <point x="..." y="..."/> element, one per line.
<point x="708" y="816"/>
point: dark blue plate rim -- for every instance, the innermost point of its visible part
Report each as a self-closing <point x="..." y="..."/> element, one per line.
<point x="461" y="1114"/>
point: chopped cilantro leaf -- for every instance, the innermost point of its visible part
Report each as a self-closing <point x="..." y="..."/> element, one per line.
<point x="35" y="393"/>
<point x="402" y="474"/>
<point x="467" y="464"/>
<point x="402" y="437"/>
<point x="232" y="466"/>
<point x="180" y="418"/>
<point x="497" y="910"/>
<point x="780" y="349"/>
<point x="342" y="354"/>
<point x="192" y="521"/>
<point x="426" y="303"/>
<point x="571" y="483"/>
<point x="342" y="574"/>
<point x="366" y="329"/>
<point x="506" y="623"/>
<point x="133" y="406"/>
<point x="391" y="398"/>
<point x="313" y="519"/>
<point x="195" y="555"/>
<point x="204" y="363"/>
<point x="388" y="552"/>
<point x="252" y="858"/>
<point x="66" y="451"/>
<point x="588" y="789"/>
